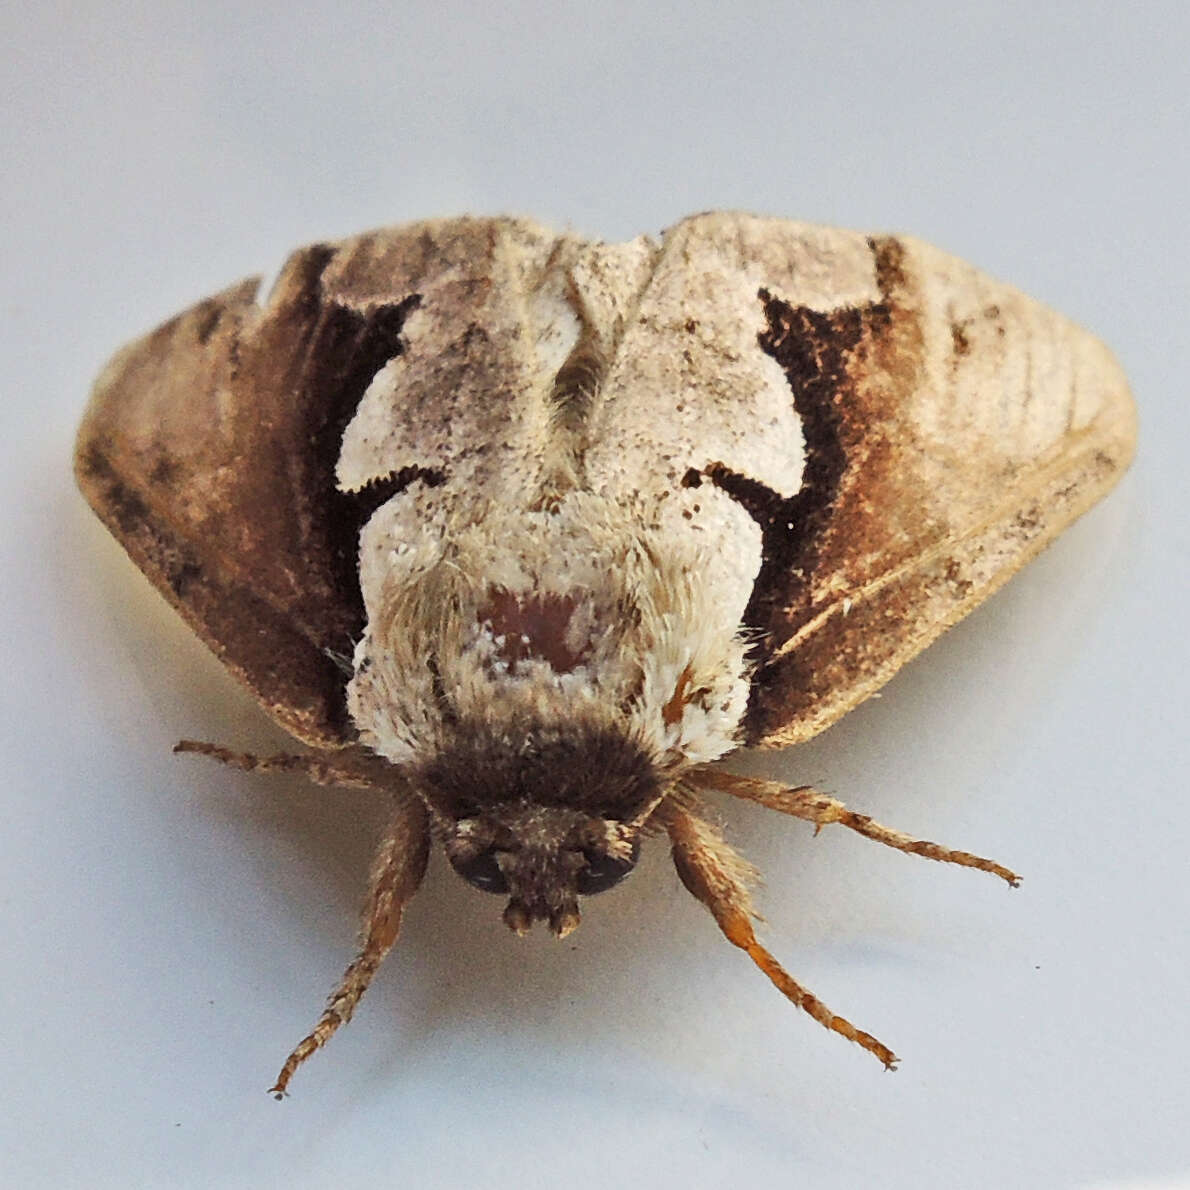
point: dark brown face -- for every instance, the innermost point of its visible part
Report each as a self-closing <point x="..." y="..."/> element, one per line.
<point x="543" y="859"/>
<point x="542" y="815"/>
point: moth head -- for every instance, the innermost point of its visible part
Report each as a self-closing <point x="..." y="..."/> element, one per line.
<point x="543" y="858"/>
<point x="543" y="814"/>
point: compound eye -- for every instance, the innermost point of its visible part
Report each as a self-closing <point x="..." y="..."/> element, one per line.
<point x="482" y="871"/>
<point x="604" y="871"/>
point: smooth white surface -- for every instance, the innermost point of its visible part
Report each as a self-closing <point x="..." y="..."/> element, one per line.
<point x="170" y="929"/>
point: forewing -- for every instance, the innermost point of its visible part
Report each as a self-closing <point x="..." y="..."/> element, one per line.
<point x="952" y="427"/>
<point x="210" y="446"/>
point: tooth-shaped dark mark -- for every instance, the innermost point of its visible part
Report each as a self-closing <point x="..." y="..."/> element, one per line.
<point x="814" y="349"/>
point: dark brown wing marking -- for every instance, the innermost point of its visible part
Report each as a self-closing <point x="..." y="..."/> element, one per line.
<point x="813" y="348"/>
<point x="911" y="512"/>
<point x="209" y="449"/>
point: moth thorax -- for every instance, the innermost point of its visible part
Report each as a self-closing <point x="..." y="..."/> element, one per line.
<point x="544" y="858"/>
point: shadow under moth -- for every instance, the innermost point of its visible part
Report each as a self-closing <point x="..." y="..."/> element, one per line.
<point x="524" y="531"/>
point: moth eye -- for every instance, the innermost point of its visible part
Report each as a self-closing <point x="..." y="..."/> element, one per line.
<point x="604" y="871"/>
<point x="482" y="871"/>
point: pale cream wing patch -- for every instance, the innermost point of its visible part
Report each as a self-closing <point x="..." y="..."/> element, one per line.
<point x="502" y="304"/>
<point x="689" y="388"/>
<point x="467" y="395"/>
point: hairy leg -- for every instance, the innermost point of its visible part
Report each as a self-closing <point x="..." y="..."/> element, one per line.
<point x="822" y="810"/>
<point x="721" y="880"/>
<point x="396" y="873"/>
<point x="351" y="769"/>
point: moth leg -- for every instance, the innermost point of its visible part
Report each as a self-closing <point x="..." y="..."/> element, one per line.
<point x="318" y="769"/>
<point x="721" y="879"/>
<point x="396" y="873"/>
<point x="808" y="803"/>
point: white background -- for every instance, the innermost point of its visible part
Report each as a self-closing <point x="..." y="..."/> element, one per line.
<point x="170" y="929"/>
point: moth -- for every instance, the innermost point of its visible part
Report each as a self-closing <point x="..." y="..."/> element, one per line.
<point x="524" y="531"/>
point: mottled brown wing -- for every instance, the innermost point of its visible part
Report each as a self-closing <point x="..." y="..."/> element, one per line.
<point x="953" y="428"/>
<point x="209" y="450"/>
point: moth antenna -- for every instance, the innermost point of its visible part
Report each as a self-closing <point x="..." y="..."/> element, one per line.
<point x="806" y="802"/>
<point x="357" y="772"/>
<point x="396" y="873"/>
<point x="720" y="878"/>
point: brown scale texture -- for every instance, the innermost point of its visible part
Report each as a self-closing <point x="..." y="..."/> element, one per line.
<point x="260" y="559"/>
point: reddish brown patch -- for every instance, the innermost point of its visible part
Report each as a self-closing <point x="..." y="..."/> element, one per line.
<point x="671" y="713"/>
<point x="533" y="627"/>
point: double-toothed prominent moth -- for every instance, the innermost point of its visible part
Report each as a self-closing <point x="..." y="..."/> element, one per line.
<point x="524" y="531"/>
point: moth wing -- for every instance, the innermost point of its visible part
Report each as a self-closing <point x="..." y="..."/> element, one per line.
<point x="210" y="446"/>
<point x="944" y="428"/>
<point x="952" y="428"/>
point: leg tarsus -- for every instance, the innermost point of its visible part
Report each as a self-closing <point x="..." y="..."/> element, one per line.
<point x="720" y="879"/>
<point x="821" y="809"/>
<point x="396" y="873"/>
